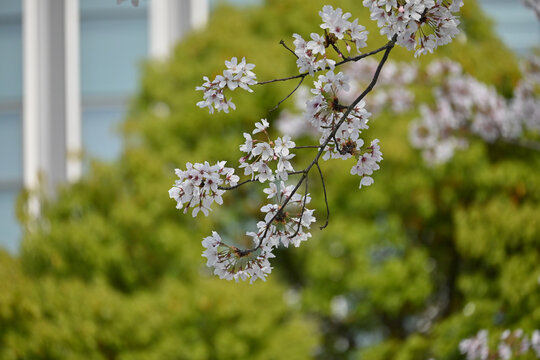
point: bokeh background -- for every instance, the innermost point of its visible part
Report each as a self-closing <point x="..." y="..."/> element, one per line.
<point x="406" y="268"/>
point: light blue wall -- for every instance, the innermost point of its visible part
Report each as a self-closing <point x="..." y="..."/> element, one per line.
<point x="10" y="120"/>
<point x="114" y="42"/>
<point x="516" y="25"/>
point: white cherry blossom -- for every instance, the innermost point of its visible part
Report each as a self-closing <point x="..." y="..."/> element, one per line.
<point x="236" y="75"/>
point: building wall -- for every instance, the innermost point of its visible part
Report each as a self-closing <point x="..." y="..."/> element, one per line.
<point x="11" y="171"/>
<point x="516" y="25"/>
<point x="114" y="42"/>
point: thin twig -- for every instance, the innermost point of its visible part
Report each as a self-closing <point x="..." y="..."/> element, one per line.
<point x="356" y="58"/>
<point x="337" y="145"/>
<point x="339" y="52"/>
<point x="302" y="213"/>
<point x="288" y="96"/>
<point x="296" y="172"/>
<point x="325" y="197"/>
<point x="236" y="186"/>
<point x="286" y="47"/>
<point x="308" y="147"/>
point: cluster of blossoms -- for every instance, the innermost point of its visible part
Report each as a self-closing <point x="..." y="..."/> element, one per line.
<point x="237" y="75"/>
<point x="279" y="228"/>
<point x="420" y="25"/>
<point x="287" y="220"/>
<point x="512" y="344"/>
<point x="312" y="54"/>
<point x="199" y="186"/>
<point x="290" y="225"/>
<point x="464" y="106"/>
<point x="392" y="93"/>
<point x="261" y="153"/>
<point x="325" y="114"/>
<point x="229" y="262"/>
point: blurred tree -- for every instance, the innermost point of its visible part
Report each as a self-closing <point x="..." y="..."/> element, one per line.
<point x="406" y="268"/>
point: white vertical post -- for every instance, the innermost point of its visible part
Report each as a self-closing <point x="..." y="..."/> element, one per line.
<point x="51" y="102"/>
<point x="158" y="12"/>
<point x="199" y="14"/>
<point x="31" y="103"/>
<point x="73" y="91"/>
<point x="170" y="20"/>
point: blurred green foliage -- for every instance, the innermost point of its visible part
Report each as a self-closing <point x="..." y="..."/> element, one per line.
<point x="406" y="268"/>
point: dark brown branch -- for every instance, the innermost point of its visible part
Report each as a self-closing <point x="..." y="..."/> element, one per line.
<point x="288" y="96"/>
<point x="337" y="145"/>
<point x="296" y="172"/>
<point x="325" y="197"/>
<point x="339" y="52"/>
<point x="236" y="186"/>
<point x="356" y="58"/>
<point x="286" y="47"/>
<point x="308" y="147"/>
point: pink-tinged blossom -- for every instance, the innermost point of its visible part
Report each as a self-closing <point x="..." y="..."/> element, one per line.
<point x="420" y="25"/>
<point x="368" y="163"/>
<point x="475" y="348"/>
<point x="230" y="262"/>
<point x="310" y="60"/>
<point x="237" y="74"/>
<point x="335" y="21"/>
<point x="512" y="344"/>
<point x="312" y="55"/>
<point x="464" y="107"/>
<point x="247" y="147"/>
<point x="261" y="126"/>
<point x="291" y="224"/>
<point x="198" y="187"/>
<point x="535" y="342"/>
<point x="283" y="146"/>
<point x="262" y="155"/>
<point x="317" y="44"/>
<point x="263" y="150"/>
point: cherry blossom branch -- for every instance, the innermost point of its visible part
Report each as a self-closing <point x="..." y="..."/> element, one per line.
<point x="325" y="197"/>
<point x="422" y="28"/>
<point x="288" y="96"/>
<point x="282" y="42"/>
<point x="302" y="212"/>
<point x="237" y="185"/>
<point x="354" y="59"/>
<point x="308" y="147"/>
<point x="388" y="47"/>
<point x="339" y="52"/>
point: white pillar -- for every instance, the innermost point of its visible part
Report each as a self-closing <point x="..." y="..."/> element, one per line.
<point x="73" y="91"/>
<point x="170" y="20"/>
<point x="31" y="103"/>
<point x="51" y="101"/>
<point x="199" y="13"/>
